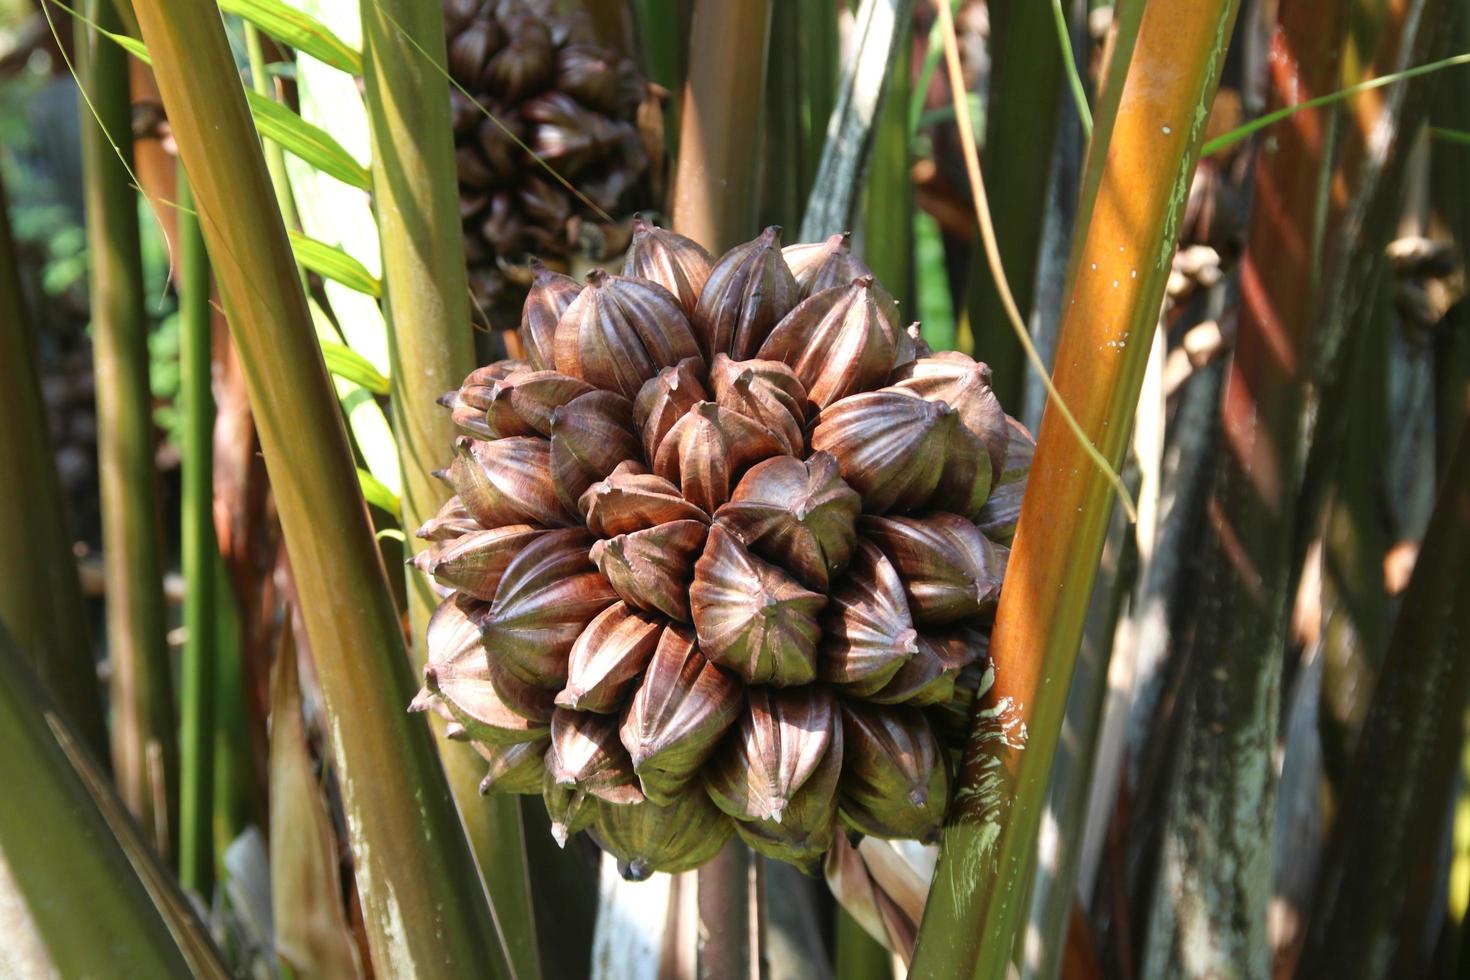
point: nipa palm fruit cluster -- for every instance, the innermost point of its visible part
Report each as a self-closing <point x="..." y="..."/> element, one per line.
<point x="574" y="103"/>
<point x="722" y="555"/>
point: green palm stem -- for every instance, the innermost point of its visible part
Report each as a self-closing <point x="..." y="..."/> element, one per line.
<point x="40" y="592"/>
<point x="423" y="907"/>
<point x="144" y="729"/>
<point x="1167" y="63"/>
<point x="90" y="896"/>
<point x="858" y="955"/>
<point x="430" y="350"/>
<point x="200" y="555"/>
<point x="1020" y="121"/>
<point x="888" y="194"/>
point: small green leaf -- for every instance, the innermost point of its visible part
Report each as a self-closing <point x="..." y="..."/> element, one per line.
<point x="311" y="143"/>
<point x="375" y="493"/>
<point x="1450" y="135"/>
<point x="347" y="363"/>
<point x="393" y="533"/>
<point x="298" y="30"/>
<point x="332" y="263"/>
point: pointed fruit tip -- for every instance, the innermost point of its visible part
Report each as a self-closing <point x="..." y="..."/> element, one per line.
<point x="637" y="869"/>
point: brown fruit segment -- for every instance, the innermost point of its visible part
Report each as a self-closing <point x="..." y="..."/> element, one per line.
<point x="451" y="522"/>
<point x="629" y="500"/>
<point x="781" y="741"/>
<point x="928" y="678"/>
<point x="646" y="837"/>
<point x="889" y="447"/>
<point x="585" y="754"/>
<point x="676" y="263"/>
<point x="677" y="716"/>
<point x="652" y="569"/>
<point x="823" y="265"/>
<point x="457" y="680"/>
<point x="507" y="481"/>
<point x="522" y="402"/>
<point x="664" y="399"/>
<point x="547" y="596"/>
<point x="867" y="633"/>
<point x="753" y="617"/>
<point x="518" y="769"/>
<point x="550" y="295"/>
<point x="473" y="563"/>
<point x="895" y="783"/>
<point x="809" y="822"/>
<point x="470" y="402"/>
<point x="571" y="809"/>
<point x="707" y="450"/>
<point x="1002" y="509"/>
<point x="963" y="384"/>
<point x="799" y="514"/>
<point x="749" y="290"/>
<point x="618" y="332"/>
<point x="767" y="392"/>
<point x="590" y="436"/>
<point x="950" y="570"/>
<point x="607" y="658"/>
<point x="839" y="342"/>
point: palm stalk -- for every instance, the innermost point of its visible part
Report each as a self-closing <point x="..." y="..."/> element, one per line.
<point x="200" y="556"/>
<point x="430" y="350"/>
<point x="424" y="909"/>
<point x="1021" y="122"/>
<point x="144" y="732"/>
<point x="1375" y="892"/>
<point x="1147" y="142"/>
<point x="717" y="183"/>
<point x="89" y="896"/>
<point x="40" y="593"/>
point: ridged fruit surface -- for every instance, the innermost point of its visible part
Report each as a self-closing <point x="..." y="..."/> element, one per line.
<point x="722" y="556"/>
<point x="538" y="79"/>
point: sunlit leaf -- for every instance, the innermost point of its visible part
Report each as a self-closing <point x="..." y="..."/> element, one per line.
<point x="332" y="263"/>
<point x="310" y="143"/>
<point x="301" y="32"/>
<point x="344" y="362"/>
<point x="375" y="493"/>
